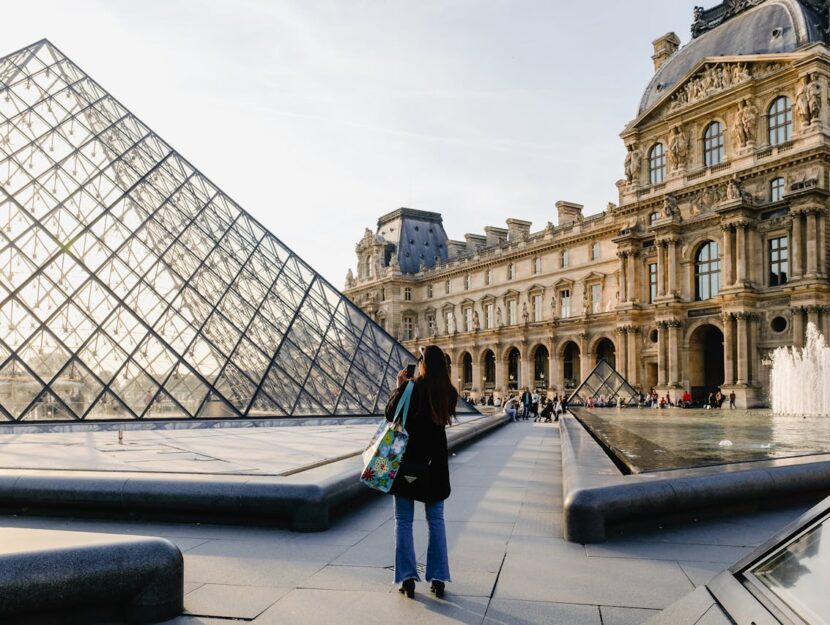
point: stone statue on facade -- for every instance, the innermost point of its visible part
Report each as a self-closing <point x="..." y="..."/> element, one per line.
<point x="476" y="321"/>
<point x="633" y="162"/>
<point x="499" y="318"/>
<point x="553" y="308"/>
<point x="525" y="313"/>
<point x="808" y="100"/>
<point x="670" y="206"/>
<point x="678" y="148"/>
<point x="349" y="279"/>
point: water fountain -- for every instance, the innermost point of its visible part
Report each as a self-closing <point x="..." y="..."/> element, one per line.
<point x="800" y="379"/>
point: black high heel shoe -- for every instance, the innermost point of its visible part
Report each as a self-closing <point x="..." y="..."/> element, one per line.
<point x="408" y="588"/>
<point x="437" y="588"/>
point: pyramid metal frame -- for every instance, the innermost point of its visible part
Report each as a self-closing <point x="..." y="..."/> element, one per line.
<point x="132" y="287"/>
<point x="603" y="376"/>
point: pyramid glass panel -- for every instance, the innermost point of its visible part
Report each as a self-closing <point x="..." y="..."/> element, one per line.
<point x="603" y="387"/>
<point x="131" y="287"/>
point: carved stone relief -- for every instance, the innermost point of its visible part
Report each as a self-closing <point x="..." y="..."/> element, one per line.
<point x="717" y="77"/>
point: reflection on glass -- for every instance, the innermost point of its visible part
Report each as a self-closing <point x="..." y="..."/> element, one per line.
<point x="131" y="287"/>
<point x="799" y="575"/>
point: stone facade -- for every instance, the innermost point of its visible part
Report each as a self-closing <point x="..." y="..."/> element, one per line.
<point x="715" y="254"/>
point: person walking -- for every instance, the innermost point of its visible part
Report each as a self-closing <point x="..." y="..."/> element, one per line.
<point x="431" y="409"/>
<point x="526" y="400"/>
<point x="732" y="400"/>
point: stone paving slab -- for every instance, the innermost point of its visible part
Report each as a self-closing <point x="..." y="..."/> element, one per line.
<point x="508" y="559"/>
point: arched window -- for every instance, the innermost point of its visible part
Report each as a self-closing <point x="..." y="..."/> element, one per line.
<point x="707" y="271"/>
<point x="713" y="144"/>
<point x="780" y="120"/>
<point x="657" y="164"/>
<point x="467" y="363"/>
<point x="776" y="190"/>
<point x="489" y="369"/>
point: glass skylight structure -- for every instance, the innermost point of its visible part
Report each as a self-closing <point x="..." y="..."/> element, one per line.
<point x="604" y="386"/>
<point x="131" y="287"/>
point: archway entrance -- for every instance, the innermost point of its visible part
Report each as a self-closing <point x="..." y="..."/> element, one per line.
<point x="489" y="370"/>
<point x="513" y="358"/>
<point x="467" y="368"/>
<point x="541" y="360"/>
<point x="570" y="365"/>
<point x="705" y="361"/>
<point x="606" y="350"/>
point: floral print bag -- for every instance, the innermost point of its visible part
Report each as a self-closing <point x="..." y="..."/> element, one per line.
<point x="383" y="456"/>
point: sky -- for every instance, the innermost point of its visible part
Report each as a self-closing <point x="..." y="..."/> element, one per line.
<point x="318" y="117"/>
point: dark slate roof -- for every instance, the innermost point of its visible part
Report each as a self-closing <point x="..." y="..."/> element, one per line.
<point x="419" y="237"/>
<point x="746" y="33"/>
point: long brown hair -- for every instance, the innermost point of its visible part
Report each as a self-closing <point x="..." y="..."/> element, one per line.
<point x="439" y="393"/>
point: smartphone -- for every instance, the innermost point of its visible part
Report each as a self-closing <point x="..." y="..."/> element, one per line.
<point x="410" y="371"/>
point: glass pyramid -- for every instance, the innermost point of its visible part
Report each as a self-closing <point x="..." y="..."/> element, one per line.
<point x="604" y="386"/>
<point x="131" y="287"/>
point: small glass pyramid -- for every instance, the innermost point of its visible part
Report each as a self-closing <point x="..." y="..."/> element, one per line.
<point x="132" y="287"/>
<point x="603" y="387"/>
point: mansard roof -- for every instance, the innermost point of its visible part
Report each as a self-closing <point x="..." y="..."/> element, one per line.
<point x="741" y="27"/>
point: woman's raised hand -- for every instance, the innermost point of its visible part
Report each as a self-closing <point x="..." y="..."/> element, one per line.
<point x="402" y="376"/>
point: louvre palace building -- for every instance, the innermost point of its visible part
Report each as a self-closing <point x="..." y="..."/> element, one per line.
<point x="715" y="253"/>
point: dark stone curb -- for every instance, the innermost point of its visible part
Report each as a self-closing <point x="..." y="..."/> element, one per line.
<point x="49" y="577"/>
<point x="304" y="499"/>
<point x="597" y="496"/>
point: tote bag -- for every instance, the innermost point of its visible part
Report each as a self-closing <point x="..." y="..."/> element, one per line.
<point x="383" y="456"/>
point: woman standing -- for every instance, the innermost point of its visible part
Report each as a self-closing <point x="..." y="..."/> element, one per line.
<point x="431" y="408"/>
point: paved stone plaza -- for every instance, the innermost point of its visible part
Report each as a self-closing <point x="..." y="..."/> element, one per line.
<point x="509" y="562"/>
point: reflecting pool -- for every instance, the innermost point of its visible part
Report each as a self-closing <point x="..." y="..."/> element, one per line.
<point x="647" y="439"/>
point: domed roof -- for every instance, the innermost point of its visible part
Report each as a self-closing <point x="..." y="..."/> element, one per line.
<point x="775" y="26"/>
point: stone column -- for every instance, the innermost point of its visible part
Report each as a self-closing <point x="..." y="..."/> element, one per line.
<point x="622" y="342"/>
<point x="672" y="266"/>
<point x="674" y="352"/>
<point x="813" y="316"/>
<point x="662" y="341"/>
<point x="743" y="348"/>
<point x="728" y="350"/>
<point x="623" y="256"/>
<point x="740" y="244"/>
<point x="796" y="246"/>
<point x="478" y="379"/>
<point x="821" y="242"/>
<point x="585" y="365"/>
<point x="633" y="355"/>
<point x="812" y="244"/>
<point x="554" y="372"/>
<point x="798" y="326"/>
<point x="661" y="268"/>
<point x="728" y="276"/>
<point x="753" y="361"/>
<point x="500" y="386"/>
<point x="525" y="368"/>
<point x="633" y="296"/>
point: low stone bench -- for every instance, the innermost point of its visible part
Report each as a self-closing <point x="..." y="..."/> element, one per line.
<point x="50" y="577"/>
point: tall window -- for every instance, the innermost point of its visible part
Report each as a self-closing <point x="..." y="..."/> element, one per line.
<point x="776" y="190"/>
<point x="565" y="304"/>
<point x="537" y="308"/>
<point x="488" y="316"/>
<point x="780" y="120"/>
<point x="565" y="259"/>
<point x="489" y="368"/>
<point x="407" y="294"/>
<point x="537" y="265"/>
<point x="596" y="298"/>
<point x="652" y="282"/>
<point x="429" y="291"/>
<point x="653" y="217"/>
<point x="511" y="271"/>
<point x="713" y="144"/>
<point x="595" y="251"/>
<point x="468" y="319"/>
<point x="657" y="164"/>
<point x="446" y="287"/>
<point x="431" y="329"/>
<point x="447" y="321"/>
<point x="408" y="328"/>
<point x="488" y="277"/>
<point x="467" y="368"/>
<point x="707" y="271"/>
<point x="467" y="282"/>
<point x="779" y="265"/>
<point x="512" y="312"/>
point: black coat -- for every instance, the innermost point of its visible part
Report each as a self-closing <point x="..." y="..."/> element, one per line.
<point x="427" y="440"/>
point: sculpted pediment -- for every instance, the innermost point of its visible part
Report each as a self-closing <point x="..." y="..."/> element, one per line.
<point x="709" y="78"/>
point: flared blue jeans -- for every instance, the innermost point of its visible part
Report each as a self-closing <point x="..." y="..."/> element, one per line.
<point x="438" y="566"/>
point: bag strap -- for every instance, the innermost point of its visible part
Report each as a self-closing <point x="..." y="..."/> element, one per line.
<point x="403" y="403"/>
